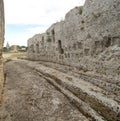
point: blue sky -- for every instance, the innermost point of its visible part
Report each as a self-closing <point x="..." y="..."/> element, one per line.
<point x="25" y="18"/>
<point x="18" y="34"/>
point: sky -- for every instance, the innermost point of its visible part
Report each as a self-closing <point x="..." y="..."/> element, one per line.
<point x="25" y="18"/>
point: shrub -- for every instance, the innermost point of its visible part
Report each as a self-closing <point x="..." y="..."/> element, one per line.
<point x="7" y="60"/>
<point x="80" y="11"/>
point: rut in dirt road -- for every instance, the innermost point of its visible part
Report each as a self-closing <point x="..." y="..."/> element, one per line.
<point x="29" y="97"/>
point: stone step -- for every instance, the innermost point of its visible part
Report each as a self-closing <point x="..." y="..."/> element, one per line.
<point x="83" y="107"/>
<point x="111" y="88"/>
<point x="85" y="91"/>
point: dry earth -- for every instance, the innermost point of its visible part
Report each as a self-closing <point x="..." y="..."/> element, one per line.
<point x="29" y="97"/>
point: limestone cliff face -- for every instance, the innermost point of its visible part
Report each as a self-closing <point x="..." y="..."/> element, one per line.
<point x="1" y="44"/>
<point x="88" y="38"/>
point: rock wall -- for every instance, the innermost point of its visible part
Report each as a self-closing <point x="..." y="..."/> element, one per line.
<point x="1" y="44"/>
<point x="88" y="38"/>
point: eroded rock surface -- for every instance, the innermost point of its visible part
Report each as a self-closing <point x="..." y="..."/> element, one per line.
<point x="88" y="39"/>
<point x="85" y="45"/>
<point x="34" y="91"/>
<point x="29" y="97"/>
<point x="1" y="45"/>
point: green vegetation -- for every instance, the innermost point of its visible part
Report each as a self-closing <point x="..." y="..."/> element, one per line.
<point x="5" y="49"/>
<point x="81" y="11"/>
<point x="7" y="60"/>
<point x="12" y="48"/>
<point x="16" y="55"/>
<point x="82" y="28"/>
<point x="11" y="56"/>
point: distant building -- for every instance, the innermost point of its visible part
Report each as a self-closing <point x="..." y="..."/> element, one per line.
<point x="7" y="46"/>
<point x="14" y="48"/>
<point x="22" y="49"/>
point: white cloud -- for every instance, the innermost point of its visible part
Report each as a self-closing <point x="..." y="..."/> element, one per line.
<point x="34" y="12"/>
<point x="37" y="11"/>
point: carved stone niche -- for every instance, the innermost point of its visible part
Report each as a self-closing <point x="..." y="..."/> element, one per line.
<point x="80" y="45"/>
<point x="107" y="41"/>
<point x="116" y="40"/>
<point x="48" y="39"/>
<point x="97" y="44"/>
<point x="60" y="49"/>
<point x="86" y="51"/>
<point x="74" y="46"/>
<point x="37" y="47"/>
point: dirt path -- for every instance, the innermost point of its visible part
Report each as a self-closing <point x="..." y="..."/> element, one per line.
<point x="29" y="97"/>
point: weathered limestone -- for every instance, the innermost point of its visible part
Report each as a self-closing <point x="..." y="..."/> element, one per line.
<point x="1" y="44"/>
<point x="88" y="39"/>
<point x="92" y="101"/>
